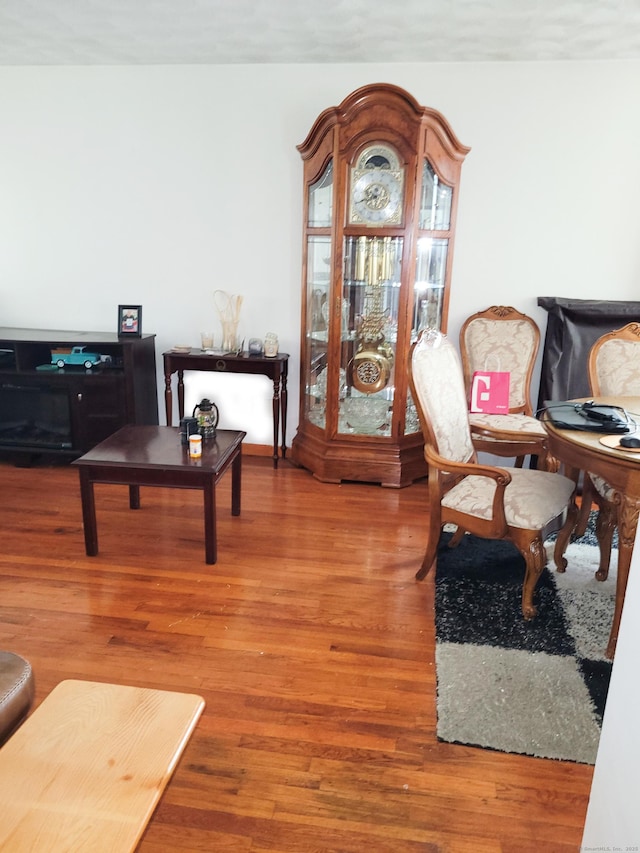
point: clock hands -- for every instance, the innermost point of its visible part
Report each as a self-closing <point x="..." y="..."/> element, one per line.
<point x="376" y="197"/>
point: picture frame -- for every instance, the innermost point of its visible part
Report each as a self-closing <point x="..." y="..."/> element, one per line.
<point x="129" y="321"/>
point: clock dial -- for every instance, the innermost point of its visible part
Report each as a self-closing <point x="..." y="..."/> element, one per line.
<point x="377" y="197"/>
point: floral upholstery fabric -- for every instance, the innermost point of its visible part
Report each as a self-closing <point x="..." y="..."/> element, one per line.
<point x="502" y="345"/>
<point x="618" y="368"/>
<point x="437" y="376"/>
<point x="508" y="423"/>
<point x="529" y="502"/>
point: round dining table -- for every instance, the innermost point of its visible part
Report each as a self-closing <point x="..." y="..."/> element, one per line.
<point x="577" y="451"/>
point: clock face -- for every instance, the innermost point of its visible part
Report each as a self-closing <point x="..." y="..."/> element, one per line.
<point x="377" y="197"/>
<point x="376" y="188"/>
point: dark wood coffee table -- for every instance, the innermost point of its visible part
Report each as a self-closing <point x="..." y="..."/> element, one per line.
<point x="153" y="456"/>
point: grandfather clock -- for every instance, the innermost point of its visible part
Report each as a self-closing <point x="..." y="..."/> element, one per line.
<point x="381" y="176"/>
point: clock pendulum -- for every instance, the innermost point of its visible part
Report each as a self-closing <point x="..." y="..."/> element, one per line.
<point x="371" y="365"/>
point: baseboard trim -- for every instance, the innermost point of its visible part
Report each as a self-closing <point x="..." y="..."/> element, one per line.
<point x="258" y="449"/>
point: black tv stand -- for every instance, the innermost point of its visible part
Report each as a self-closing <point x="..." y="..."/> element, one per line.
<point x="63" y="412"/>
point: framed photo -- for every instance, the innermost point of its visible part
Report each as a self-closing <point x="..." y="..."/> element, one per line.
<point x="129" y="320"/>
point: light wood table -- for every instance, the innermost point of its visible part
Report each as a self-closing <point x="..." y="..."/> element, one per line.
<point x="85" y="771"/>
<point x="583" y="451"/>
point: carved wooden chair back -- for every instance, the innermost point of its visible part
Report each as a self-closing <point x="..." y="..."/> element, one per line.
<point x="441" y="398"/>
<point x="614" y="363"/>
<point x="502" y="338"/>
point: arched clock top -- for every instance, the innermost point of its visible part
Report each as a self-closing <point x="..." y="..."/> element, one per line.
<point x="321" y="127"/>
<point x="376" y="95"/>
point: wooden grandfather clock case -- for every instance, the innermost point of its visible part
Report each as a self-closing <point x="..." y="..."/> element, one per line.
<point x="381" y="176"/>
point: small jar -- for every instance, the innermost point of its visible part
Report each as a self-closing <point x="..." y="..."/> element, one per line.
<point x="270" y="345"/>
<point x="195" y="446"/>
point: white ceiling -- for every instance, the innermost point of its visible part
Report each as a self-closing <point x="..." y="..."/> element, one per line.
<point x="143" y="32"/>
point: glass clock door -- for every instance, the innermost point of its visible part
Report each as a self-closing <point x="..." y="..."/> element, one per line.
<point x="318" y="291"/>
<point x="369" y="335"/>
<point x="431" y="264"/>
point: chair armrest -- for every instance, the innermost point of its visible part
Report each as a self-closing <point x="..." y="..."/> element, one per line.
<point x="466" y="469"/>
<point x="459" y="470"/>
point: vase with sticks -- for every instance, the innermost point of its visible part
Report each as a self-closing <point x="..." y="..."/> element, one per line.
<point x="228" y="306"/>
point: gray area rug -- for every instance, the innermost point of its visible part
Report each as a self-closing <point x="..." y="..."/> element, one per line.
<point x="536" y="688"/>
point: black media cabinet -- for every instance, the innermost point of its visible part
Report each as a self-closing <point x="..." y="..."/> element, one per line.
<point x="67" y="411"/>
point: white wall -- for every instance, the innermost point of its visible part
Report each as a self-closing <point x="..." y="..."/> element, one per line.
<point x="158" y="185"/>
<point x="612" y="821"/>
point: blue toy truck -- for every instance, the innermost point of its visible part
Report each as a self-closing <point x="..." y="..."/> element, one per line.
<point x="73" y="356"/>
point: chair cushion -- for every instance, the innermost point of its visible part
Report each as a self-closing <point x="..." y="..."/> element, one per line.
<point x="531" y="500"/>
<point x="16" y="691"/>
<point x="511" y="423"/>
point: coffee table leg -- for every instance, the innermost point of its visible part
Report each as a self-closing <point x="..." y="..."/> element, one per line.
<point x="134" y="497"/>
<point x="88" y="513"/>
<point x="210" y="544"/>
<point x="236" y="482"/>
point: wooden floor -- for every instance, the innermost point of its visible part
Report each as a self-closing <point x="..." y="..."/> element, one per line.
<point x="312" y="645"/>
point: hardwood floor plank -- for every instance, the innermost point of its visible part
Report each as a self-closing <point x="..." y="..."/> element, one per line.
<point x="312" y="645"/>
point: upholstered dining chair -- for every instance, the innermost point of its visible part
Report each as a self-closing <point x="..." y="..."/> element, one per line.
<point x="504" y="339"/>
<point x="614" y="371"/>
<point x="491" y="502"/>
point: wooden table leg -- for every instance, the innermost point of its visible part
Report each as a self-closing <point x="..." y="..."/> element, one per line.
<point x="168" y="398"/>
<point x="283" y="409"/>
<point x="210" y="542"/>
<point x="134" y="497"/>
<point x="180" y="394"/>
<point x="88" y="513"/>
<point x="628" y="512"/>
<point x="275" y="406"/>
<point x="236" y="482"/>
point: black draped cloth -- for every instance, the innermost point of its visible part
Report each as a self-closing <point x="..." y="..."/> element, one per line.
<point x="573" y="326"/>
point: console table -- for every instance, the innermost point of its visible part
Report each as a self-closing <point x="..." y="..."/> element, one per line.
<point x="275" y="368"/>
